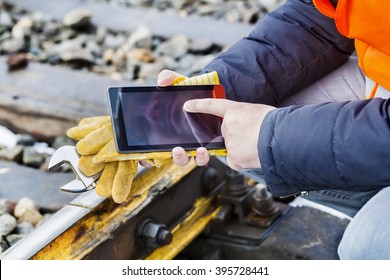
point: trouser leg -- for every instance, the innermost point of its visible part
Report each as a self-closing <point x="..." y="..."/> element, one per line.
<point x="368" y="234"/>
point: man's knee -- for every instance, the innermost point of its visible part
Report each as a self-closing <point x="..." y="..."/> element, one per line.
<point x="368" y="234"/>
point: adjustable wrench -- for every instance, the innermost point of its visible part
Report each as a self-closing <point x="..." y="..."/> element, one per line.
<point x="69" y="155"/>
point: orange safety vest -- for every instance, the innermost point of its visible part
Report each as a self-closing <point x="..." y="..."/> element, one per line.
<point x="368" y="22"/>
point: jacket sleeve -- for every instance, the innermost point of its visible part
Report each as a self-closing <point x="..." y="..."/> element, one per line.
<point x="340" y="145"/>
<point x="289" y="49"/>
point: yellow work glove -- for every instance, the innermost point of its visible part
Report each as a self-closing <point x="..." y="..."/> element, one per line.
<point x="98" y="154"/>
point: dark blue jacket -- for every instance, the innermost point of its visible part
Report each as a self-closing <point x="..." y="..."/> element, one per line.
<point x="339" y="145"/>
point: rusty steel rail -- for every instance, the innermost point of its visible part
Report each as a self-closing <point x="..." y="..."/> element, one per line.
<point x="78" y="228"/>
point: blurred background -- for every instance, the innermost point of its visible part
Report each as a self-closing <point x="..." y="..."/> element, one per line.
<point x="57" y="59"/>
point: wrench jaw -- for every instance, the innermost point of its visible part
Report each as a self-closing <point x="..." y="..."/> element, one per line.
<point x="76" y="186"/>
<point x="69" y="155"/>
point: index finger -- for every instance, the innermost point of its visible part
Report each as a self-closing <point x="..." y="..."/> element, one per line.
<point x="211" y="106"/>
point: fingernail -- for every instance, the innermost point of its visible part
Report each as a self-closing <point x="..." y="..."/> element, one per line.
<point x="161" y="80"/>
<point x="187" y="106"/>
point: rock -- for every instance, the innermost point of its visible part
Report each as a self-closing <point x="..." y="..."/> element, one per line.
<point x="7" y="206"/>
<point x="5" y="19"/>
<point x="114" y="41"/>
<point x="176" y="46"/>
<point x="14" y="238"/>
<point x="77" y="58"/>
<point x="116" y="76"/>
<point x="43" y="148"/>
<point x="62" y="140"/>
<point x="207" y="9"/>
<point x="270" y="5"/>
<point x="7" y="224"/>
<point x="143" y="55"/>
<point x="201" y="46"/>
<point x="119" y="59"/>
<point x="251" y="16"/>
<point x="201" y="63"/>
<point x="142" y="37"/>
<point x="3" y="245"/>
<point x="24" y="228"/>
<point x="26" y="210"/>
<point x="101" y="34"/>
<point x="77" y="18"/>
<point x="168" y="62"/>
<point x="32" y="158"/>
<point x="150" y="71"/>
<point x="25" y="139"/>
<point x="141" y="3"/>
<point x="23" y="28"/>
<point x="93" y="48"/>
<point x="233" y="16"/>
<point x="8" y="139"/>
<point x="13" y="154"/>
<point x="17" y="61"/>
<point x="12" y="46"/>
<point x="51" y="29"/>
<point x="108" y="56"/>
<point x="180" y="4"/>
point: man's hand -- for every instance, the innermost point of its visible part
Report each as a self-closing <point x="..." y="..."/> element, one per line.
<point x="240" y="129"/>
<point x="167" y="78"/>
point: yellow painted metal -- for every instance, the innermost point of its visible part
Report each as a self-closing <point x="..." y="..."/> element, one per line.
<point x="93" y="229"/>
<point x="204" y="210"/>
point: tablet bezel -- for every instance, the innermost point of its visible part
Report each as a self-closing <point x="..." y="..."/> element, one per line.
<point x="118" y="124"/>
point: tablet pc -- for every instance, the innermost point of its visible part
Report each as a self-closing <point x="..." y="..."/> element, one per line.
<point x="151" y="118"/>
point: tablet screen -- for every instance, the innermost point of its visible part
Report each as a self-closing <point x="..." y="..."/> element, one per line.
<point x="152" y="118"/>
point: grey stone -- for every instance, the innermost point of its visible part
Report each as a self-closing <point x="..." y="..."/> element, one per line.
<point x="77" y="18"/>
<point x="43" y="148"/>
<point x="6" y="205"/>
<point x="77" y="58"/>
<point x="23" y="28"/>
<point x="62" y="140"/>
<point x="251" y="15"/>
<point x="114" y="41"/>
<point x="176" y="46"/>
<point x="201" y="46"/>
<point x="24" y="228"/>
<point x="101" y="34"/>
<point x="7" y="137"/>
<point x="150" y="71"/>
<point x="3" y="245"/>
<point x="271" y="5"/>
<point x="26" y="210"/>
<point x="5" y="19"/>
<point x="142" y="37"/>
<point x="200" y="63"/>
<point x="13" y="154"/>
<point x="180" y="4"/>
<point x="208" y="9"/>
<point x="51" y="28"/>
<point x="142" y="55"/>
<point x="168" y="62"/>
<point x="25" y="139"/>
<point x="7" y="224"/>
<point x="14" y="238"/>
<point x="31" y="157"/>
<point x="12" y="46"/>
<point x="233" y="16"/>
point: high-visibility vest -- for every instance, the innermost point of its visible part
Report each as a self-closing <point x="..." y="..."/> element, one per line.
<point x="368" y="22"/>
